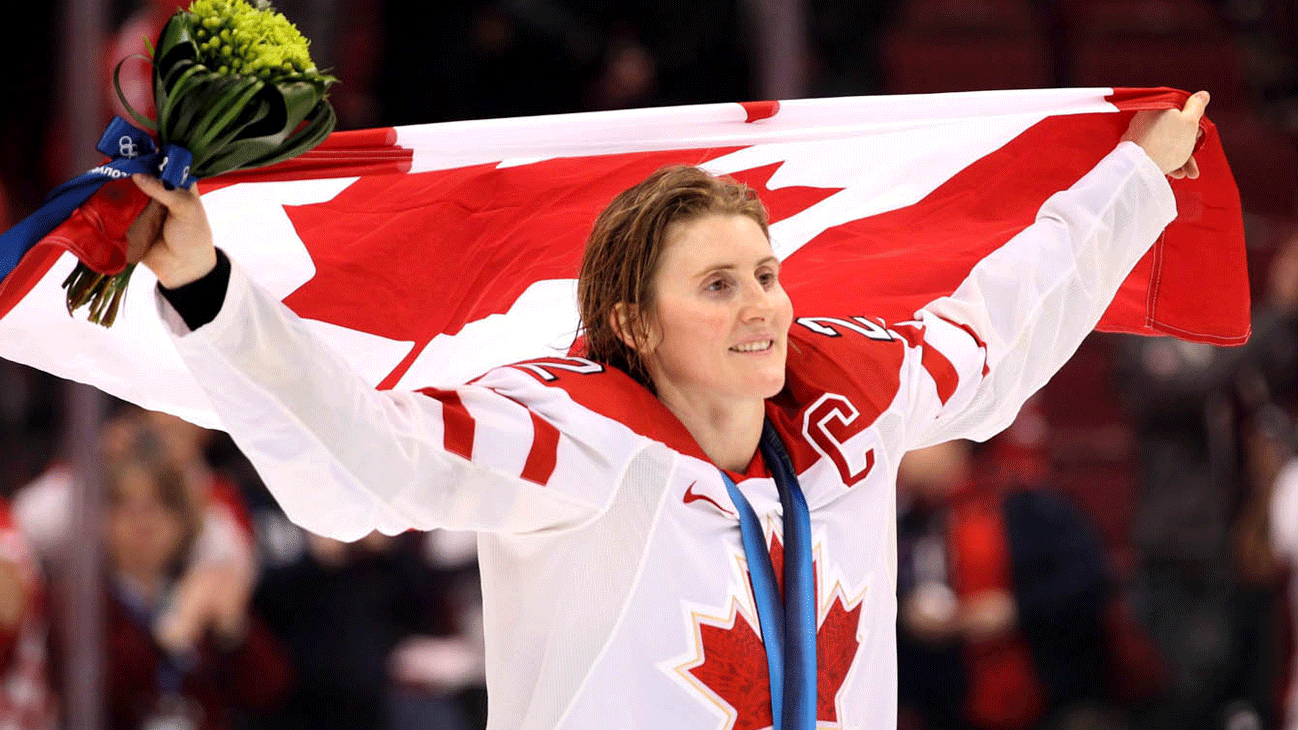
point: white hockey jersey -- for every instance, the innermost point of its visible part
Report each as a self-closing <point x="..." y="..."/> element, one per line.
<point x="615" y="589"/>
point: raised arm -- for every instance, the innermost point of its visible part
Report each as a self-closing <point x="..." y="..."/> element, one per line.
<point x="1026" y="307"/>
<point x="341" y="458"/>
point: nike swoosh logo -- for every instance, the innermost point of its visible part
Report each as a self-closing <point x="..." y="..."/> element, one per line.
<point x="692" y="496"/>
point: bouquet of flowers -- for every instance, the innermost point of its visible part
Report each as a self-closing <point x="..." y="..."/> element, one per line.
<point x="234" y="88"/>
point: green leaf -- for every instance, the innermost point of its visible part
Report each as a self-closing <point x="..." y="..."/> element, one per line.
<point x="252" y="153"/>
<point x="208" y="96"/>
<point x="175" y="42"/>
<point x="252" y="114"/>
<point x="319" y="125"/>
<point x="140" y="119"/>
<point x="225" y="110"/>
<point x="292" y="115"/>
<point x="299" y="100"/>
<point x="229" y="121"/>
<point x="188" y="77"/>
<point x="286" y="110"/>
<point x="169" y="34"/>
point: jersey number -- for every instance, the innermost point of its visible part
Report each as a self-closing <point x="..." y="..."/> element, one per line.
<point x="831" y="326"/>
<point x="828" y="424"/>
<point x="569" y="364"/>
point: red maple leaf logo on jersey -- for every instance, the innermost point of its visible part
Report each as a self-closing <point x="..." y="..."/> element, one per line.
<point x="731" y="661"/>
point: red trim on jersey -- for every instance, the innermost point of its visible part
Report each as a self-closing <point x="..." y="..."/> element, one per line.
<point x="614" y="394"/>
<point x="942" y="371"/>
<point x="756" y="468"/>
<point x="544" y="452"/>
<point x="457" y="423"/>
<point x="938" y="366"/>
<point x="978" y="340"/>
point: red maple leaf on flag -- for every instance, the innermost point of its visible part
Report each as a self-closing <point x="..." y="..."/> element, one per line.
<point x="732" y="662"/>
<point x="449" y="247"/>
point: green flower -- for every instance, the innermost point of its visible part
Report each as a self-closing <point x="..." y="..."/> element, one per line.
<point x="253" y="40"/>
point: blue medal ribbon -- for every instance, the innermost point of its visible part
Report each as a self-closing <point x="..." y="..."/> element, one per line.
<point x="131" y="150"/>
<point x="788" y="626"/>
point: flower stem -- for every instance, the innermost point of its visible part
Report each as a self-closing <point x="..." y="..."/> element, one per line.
<point x="102" y="292"/>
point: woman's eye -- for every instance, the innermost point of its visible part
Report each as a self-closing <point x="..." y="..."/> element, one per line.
<point x="717" y="285"/>
<point x="767" y="278"/>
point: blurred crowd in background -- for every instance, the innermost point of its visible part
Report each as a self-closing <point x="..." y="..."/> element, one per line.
<point x="1124" y="556"/>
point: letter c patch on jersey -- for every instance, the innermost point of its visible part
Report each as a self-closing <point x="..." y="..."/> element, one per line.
<point x="829" y="425"/>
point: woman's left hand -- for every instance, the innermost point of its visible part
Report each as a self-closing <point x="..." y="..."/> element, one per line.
<point x="1168" y="136"/>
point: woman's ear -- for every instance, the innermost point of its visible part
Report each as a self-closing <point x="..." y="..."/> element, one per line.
<point x="623" y="324"/>
<point x="634" y="328"/>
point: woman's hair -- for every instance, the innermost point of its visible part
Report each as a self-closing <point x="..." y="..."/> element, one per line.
<point x="626" y="246"/>
<point x="139" y="449"/>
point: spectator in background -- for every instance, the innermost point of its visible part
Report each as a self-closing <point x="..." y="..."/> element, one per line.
<point x="1266" y="529"/>
<point x="181" y="647"/>
<point x="1002" y="590"/>
<point x="26" y="702"/>
<point x="43" y="507"/>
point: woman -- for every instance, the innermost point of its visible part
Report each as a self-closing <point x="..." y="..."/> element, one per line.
<point x="615" y="540"/>
<point x="182" y="649"/>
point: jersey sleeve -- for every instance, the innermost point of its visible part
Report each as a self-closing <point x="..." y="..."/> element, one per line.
<point x="343" y="459"/>
<point x="1025" y="308"/>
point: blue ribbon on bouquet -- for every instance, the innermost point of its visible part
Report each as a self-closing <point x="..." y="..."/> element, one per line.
<point x="132" y="150"/>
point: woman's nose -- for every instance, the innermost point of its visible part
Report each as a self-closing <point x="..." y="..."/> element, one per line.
<point x="757" y="302"/>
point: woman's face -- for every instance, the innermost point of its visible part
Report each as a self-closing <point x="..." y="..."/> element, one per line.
<point x="143" y="533"/>
<point x="719" y="328"/>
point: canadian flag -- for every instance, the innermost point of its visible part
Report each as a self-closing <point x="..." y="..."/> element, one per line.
<point x="429" y="254"/>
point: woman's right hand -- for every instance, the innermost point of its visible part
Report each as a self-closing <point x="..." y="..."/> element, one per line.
<point x="172" y="233"/>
